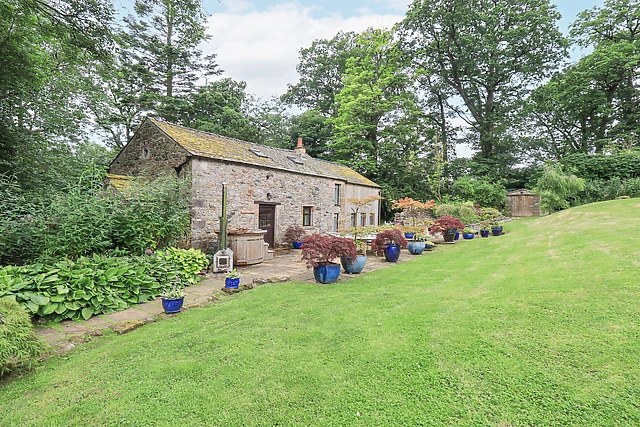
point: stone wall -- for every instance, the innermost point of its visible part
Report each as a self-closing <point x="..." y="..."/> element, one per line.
<point x="247" y="185"/>
<point x="150" y="152"/>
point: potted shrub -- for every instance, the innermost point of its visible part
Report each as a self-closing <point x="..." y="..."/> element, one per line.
<point x="295" y="234"/>
<point x="412" y="209"/>
<point x="319" y="252"/>
<point x="448" y="226"/>
<point x="429" y="245"/>
<point x="484" y="229"/>
<point x="232" y="279"/>
<point x="468" y="233"/>
<point x="496" y="229"/>
<point x="390" y="242"/>
<point x="418" y="245"/>
<point x="410" y="232"/>
<point x="173" y="298"/>
<point x="355" y="265"/>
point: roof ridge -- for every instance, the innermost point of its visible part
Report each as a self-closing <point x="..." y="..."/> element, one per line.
<point x="186" y="137"/>
<point x="226" y="137"/>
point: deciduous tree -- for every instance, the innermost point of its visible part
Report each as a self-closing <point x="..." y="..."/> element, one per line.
<point x="490" y="52"/>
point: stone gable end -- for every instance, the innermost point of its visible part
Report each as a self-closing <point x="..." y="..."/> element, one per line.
<point x="150" y="152"/>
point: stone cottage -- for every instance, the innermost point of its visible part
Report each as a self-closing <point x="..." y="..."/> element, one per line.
<point x="267" y="188"/>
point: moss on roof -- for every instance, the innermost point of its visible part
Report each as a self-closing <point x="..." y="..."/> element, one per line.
<point x="119" y="182"/>
<point x="209" y="145"/>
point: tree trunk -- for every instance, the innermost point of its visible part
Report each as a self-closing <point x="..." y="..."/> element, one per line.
<point x="169" y="47"/>
<point x="486" y="140"/>
<point x="443" y="128"/>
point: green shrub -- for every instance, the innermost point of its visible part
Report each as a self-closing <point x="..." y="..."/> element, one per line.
<point x="487" y="214"/>
<point x="465" y="211"/>
<point x="19" y="346"/>
<point x="188" y="262"/>
<point x="600" y="190"/>
<point x="78" y="221"/>
<point x="86" y="219"/>
<point x="601" y="167"/>
<point x="480" y="192"/>
<point x="557" y="188"/>
<point x="155" y="214"/>
<point x="19" y="223"/>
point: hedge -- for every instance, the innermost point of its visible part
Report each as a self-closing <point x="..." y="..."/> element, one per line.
<point x="623" y="165"/>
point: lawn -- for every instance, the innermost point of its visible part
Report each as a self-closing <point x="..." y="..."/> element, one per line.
<point x="540" y="327"/>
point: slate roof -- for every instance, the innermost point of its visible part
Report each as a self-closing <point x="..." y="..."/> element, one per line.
<point x="209" y="145"/>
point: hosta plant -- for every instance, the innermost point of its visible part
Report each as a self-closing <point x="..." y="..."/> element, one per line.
<point x="189" y="262"/>
<point x="98" y="284"/>
<point x="174" y="292"/>
<point x="233" y="274"/>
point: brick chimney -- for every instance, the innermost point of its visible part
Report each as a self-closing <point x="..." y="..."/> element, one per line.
<point x="300" y="148"/>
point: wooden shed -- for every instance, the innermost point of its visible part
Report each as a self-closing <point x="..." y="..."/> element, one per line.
<point x="523" y="203"/>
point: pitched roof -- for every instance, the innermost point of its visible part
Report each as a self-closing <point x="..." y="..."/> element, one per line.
<point x="119" y="182"/>
<point x="209" y="145"/>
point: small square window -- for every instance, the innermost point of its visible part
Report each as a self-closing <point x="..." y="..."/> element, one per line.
<point x="306" y="216"/>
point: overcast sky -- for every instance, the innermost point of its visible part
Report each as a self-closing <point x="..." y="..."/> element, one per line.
<point x="258" y="40"/>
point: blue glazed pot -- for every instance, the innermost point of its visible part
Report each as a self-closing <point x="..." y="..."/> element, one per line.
<point x="392" y="253"/>
<point x="353" y="267"/>
<point x="231" y="283"/>
<point x="484" y="233"/>
<point x="496" y="231"/>
<point x="428" y="247"/>
<point x="457" y="236"/>
<point x="326" y="273"/>
<point x="409" y="235"/>
<point x="297" y="245"/>
<point x="172" y="305"/>
<point x="468" y="236"/>
<point x="415" y="248"/>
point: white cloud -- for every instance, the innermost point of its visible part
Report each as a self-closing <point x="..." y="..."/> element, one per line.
<point x="397" y="5"/>
<point x="262" y="47"/>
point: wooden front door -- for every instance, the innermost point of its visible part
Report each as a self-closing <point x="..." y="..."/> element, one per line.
<point x="267" y="221"/>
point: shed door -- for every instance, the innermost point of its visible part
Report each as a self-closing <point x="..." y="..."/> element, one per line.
<point x="267" y="221"/>
<point x="515" y="209"/>
<point x="521" y="205"/>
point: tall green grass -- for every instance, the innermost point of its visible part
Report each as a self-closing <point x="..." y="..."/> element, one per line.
<point x="539" y="327"/>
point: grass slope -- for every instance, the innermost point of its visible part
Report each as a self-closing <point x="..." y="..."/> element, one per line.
<point x="537" y="327"/>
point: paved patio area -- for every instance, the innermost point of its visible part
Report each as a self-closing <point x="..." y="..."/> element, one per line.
<point x="285" y="266"/>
